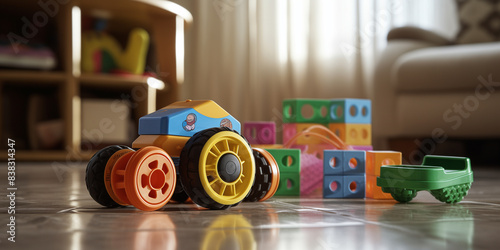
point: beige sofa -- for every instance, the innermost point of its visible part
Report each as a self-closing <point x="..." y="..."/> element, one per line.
<point x="428" y="86"/>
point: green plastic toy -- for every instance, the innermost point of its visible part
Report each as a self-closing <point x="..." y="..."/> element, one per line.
<point x="447" y="178"/>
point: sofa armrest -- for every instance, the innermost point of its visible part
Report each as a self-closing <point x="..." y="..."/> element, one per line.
<point x="415" y="33"/>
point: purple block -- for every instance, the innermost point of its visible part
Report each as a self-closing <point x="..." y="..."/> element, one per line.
<point x="260" y="132"/>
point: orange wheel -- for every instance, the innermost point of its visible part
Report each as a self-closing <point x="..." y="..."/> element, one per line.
<point x="150" y="178"/>
<point x="275" y="179"/>
<point x="118" y="179"/>
<point x="108" y="172"/>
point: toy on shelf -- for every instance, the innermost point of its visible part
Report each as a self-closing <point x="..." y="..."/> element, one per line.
<point x="101" y="53"/>
<point x="447" y="178"/>
<point x="189" y="149"/>
<point x="32" y="56"/>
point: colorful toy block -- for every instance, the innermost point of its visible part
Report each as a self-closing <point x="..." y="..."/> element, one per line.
<point x="362" y="147"/>
<point x="288" y="159"/>
<point x="289" y="184"/>
<point x="305" y="111"/>
<point x="291" y="129"/>
<point x="344" y="174"/>
<point x="347" y="186"/>
<point x="289" y="164"/>
<point x="375" y="159"/>
<point x="333" y="162"/>
<point x="260" y="132"/>
<point x="373" y="191"/>
<point x="333" y="186"/>
<point x="344" y="162"/>
<point x="311" y="173"/>
<point x="354" y="186"/>
<point x="356" y="111"/>
<point x="353" y="134"/>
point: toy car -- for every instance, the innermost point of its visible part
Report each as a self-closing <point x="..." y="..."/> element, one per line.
<point x="447" y="178"/>
<point x="189" y="149"/>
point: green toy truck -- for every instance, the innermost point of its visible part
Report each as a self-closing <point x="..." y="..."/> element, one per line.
<point x="447" y="178"/>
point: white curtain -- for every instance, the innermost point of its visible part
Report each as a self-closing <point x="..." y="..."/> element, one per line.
<point x="250" y="55"/>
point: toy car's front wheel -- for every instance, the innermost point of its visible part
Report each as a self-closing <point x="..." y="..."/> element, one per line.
<point x="217" y="168"/>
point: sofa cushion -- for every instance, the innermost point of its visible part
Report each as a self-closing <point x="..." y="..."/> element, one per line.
<point x="479" y="21"/>
<point x="456" y="67"/>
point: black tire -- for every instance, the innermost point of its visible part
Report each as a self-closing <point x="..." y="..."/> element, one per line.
<point x="94" y="175"/>
<point x="179" y="194"/>
<point x="262" y="182"/>
<point x="189" y="173"/>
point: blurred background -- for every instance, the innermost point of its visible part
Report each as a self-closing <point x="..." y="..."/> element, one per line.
<point x="429" y="67"/>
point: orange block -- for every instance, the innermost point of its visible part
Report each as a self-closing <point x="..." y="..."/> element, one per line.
<point x="291" y="129"/>
<point x="353" y="134"/>
<point x="376" y="159"/>
<point x="373" y="191"/>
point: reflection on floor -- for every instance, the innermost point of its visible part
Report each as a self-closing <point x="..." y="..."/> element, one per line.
<point x="54" y="211"/>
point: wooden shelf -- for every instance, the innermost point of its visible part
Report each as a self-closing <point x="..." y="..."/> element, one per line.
<point x="161" y="19"/>
<point x="32" y="76"/>
<point x="109" y="80"/>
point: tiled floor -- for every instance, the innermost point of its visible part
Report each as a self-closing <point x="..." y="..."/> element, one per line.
<point x="54" y="211"/>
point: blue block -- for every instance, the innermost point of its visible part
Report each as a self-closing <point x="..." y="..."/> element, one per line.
<point x="333" y="162"/>
<point x="354" y="186"/>
<point x="344" y="162"/>
<point x="354" y="162"/>
<point x="356" y="111"/>
<point x="334" y="190"/>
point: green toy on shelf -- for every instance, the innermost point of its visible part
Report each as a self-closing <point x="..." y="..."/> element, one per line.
<point x="447" y="178"/>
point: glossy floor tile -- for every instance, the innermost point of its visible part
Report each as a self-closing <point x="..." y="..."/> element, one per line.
<point x="54" y="211"/>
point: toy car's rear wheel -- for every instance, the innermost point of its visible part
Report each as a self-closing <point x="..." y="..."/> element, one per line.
<point x="95" y="175"/>
<point x="451" y="194"/>
<point x="403" y="195"/>
<point x="150" y="178"/>
<point x="217" y="168"/>
<point x="266" y="176"/>
<point x="179" y="193"/>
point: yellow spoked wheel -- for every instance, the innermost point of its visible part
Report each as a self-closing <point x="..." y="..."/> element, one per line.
<point x="217" y="168"/>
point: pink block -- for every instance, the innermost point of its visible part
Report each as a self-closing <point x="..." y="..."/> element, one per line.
<point x="260" y="132"/>
<point x="362" y="147"/>
<point x="289" y="130"/>
<point x="311" y="173"/>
